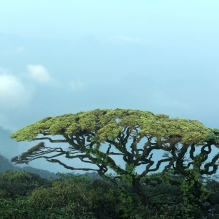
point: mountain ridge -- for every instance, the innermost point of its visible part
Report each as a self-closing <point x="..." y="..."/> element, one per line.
<point x="6" y="165"/>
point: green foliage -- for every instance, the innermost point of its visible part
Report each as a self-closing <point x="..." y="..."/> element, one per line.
<point x="129" y="203"/>
<point x="14" y="208"/>
<point x="83" y="197"/>
<point x="212" y="185"/>
<point x="72" y="198"/>
<point x="24" y="208"/>
<point x="19" y="183"/>
<point x="193" y="196"/>
<point x="109" y="123"/>
<point x="91" y="197"/>
<point x="213" y="136"/>
<point x="105" y="198"/>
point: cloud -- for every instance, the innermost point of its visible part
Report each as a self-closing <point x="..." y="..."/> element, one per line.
<point x="125" y="39"/>
<point x="77" y="85"/>
<point x="39" y="73"/>
<point x="12" y="91"/>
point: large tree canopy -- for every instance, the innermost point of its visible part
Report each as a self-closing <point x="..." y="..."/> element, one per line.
<point x="95" y="137"/>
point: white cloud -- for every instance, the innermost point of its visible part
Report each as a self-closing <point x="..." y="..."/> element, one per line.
<point x="39" y="73"/>
<point x="12" y="91"/>
<point x="77" y="85"/>
<point x="125" y="39"/>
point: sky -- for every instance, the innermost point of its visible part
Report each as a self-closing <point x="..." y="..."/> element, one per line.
<point x="59" y="57"/>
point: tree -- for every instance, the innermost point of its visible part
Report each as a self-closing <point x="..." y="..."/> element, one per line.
<point x="98" y="136"/>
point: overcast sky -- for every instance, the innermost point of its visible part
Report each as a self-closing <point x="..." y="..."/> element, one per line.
<point x="60" y="57"/>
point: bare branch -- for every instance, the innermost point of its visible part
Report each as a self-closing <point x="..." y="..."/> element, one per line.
<point x="51" y="140"/>
<point x="69" y="167"/>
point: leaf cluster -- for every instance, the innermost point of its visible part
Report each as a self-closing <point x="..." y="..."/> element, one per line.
<point x="109" y="123"/>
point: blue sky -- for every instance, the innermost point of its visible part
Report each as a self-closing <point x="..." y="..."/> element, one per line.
<point x="67" y="56"/>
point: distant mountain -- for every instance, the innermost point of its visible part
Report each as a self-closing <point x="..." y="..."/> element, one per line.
<point x="43" y="173"/>
<point x="8" y="147"/>
<point x="92" y="175"/>
<point x="6" y="165"/>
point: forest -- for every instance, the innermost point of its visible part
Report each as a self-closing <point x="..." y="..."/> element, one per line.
<point x="27" y="195"/>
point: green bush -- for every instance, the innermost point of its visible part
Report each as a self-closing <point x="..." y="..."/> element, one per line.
<point x="15" y="183"/>
<point x="104" y="194"/>
<point x="64" y="198"/>
<point x="23" y="208"/>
